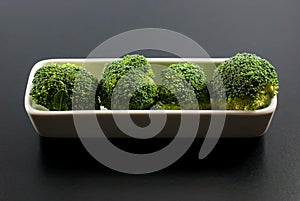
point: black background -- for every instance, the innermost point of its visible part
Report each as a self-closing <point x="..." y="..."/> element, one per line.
<point x="32" y="168"/>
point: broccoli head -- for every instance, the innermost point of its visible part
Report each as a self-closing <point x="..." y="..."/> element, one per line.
<point x="249" y="81"/>
<point x="176" y="80"/>
<point x="134" y="91"/>
<point x="126" y="64"/>
<point x="64" y="87"/>
<point x="131" y="68"/>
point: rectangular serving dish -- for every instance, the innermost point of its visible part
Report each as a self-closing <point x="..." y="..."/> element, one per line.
<point x="60" y="124"/>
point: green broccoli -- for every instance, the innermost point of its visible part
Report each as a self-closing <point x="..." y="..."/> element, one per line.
<point x="177" y="79"/>
<point x="64" y="87"/>
<point x="134" y="70"/>
<point x="249" y="81"/>
<point x="126" y="64"/>
<point x="134" y="91"/>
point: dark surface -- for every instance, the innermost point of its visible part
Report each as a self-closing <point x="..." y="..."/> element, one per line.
<point x="31" y="168"/>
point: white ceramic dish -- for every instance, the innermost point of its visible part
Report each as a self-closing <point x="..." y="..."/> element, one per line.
<point x="60" y="124"/>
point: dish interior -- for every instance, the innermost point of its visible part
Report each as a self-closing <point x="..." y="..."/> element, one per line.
<point x="96" y="66"/>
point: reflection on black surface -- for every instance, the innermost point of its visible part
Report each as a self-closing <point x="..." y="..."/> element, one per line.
<point x="67" y="155"/>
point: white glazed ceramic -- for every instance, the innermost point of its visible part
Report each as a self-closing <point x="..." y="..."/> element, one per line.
<point x="59" y="124"/>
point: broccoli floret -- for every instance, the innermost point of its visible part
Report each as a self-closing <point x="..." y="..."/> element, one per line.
<point x="134" y="91"/>
<point x="127" y="63"/>
<point x="178" y="79"/>
<point x="131" y="65"/>
<point x="249" y="81"/>
<point x="64" y="87"/>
